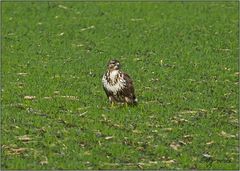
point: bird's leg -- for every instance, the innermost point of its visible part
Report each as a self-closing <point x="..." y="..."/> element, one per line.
<point x="112" y="104"/>
<point x="111" y="99"/>
<point x="126" y="105"/>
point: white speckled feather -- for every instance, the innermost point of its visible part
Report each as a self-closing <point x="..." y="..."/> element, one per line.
<point x="113" y="87"/>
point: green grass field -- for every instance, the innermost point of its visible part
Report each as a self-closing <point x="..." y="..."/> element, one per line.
<point x="183" y="58"/>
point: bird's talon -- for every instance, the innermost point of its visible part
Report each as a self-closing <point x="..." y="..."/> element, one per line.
<point x="112" y="105"/>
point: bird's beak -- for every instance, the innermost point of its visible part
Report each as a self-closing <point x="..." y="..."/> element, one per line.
<point x="117" y="66"/>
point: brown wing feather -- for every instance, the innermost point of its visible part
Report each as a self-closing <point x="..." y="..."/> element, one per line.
<point x="128" y="90"/>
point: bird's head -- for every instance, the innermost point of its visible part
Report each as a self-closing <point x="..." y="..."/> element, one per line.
<point x="113" y="65"/>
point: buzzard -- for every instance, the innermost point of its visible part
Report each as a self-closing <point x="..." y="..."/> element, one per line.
<point x="118" y="85"/>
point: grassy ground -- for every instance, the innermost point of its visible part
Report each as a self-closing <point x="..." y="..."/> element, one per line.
<point x="183" y="60"/>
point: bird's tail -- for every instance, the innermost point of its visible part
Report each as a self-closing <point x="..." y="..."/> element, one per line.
<point x="135" y="101"/>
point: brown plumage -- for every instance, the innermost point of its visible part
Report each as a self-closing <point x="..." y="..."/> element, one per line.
<point x="118" y="85"/>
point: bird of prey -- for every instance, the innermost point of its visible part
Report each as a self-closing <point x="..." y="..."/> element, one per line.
<point x="118" y="85"/>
